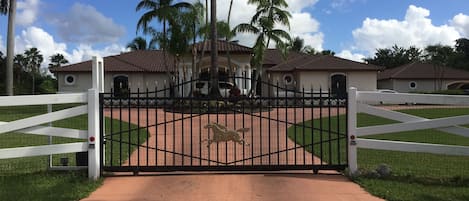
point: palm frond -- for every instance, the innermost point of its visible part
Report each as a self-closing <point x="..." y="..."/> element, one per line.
<point x="246" y="28"/>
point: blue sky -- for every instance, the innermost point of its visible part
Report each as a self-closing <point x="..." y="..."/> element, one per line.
<point x="351" y="28"/>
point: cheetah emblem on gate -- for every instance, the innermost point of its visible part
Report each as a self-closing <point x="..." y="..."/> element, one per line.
<point x="223" y="134"/>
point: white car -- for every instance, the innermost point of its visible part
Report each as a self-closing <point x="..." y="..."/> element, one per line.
<point x="225" y="87"/>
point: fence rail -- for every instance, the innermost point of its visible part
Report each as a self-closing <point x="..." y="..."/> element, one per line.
<point x="30" y="125"/>
<point x="358" y="102"/>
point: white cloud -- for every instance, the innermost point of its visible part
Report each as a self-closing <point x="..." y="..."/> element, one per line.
<point x="84" y="24"/>
<point x="298" y="6"/>
<point x="461" y="23"/>
<point x="46" y="44"/>
<point x="347" y="54"/>
<point x="306" y="27"/>
<point x="415" y="30"/>
<point x="85" y="52"/>
<point x="27" y="12"/>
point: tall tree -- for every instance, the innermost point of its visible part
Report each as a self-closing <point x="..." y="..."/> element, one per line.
<point x="461" y="57"/>
<point x="328" y="52"/>
<point x="214" y="89"/>
<point x="164" y="11"/>
<point x="395" y="56"/>
<point x="268" y="14"/>
<point x="462" y="46"/>
<point x="20" y="64"/>
<point x="9" y="6"/>
<point x="57" y="60"/>
<point x="33" y="63"/>
<point x="440" y="56"/>
<point x="140" y="43"/>
<point x="228" y="37"/>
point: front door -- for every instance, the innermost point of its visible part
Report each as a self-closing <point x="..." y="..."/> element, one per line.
<point x="339" y="85"/>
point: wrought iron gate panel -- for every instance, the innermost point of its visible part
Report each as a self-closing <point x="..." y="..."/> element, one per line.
<point x="180" y="129"/>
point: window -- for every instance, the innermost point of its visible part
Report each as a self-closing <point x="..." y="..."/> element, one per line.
<point x="413" y="85"/>
<point x="69" y="79"/>
<point x="288" y="79"/>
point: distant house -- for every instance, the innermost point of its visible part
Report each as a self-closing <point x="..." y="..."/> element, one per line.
<point x="422" y="77"/>
<point x="146" y="69"/>
<point x="315" y="72"/>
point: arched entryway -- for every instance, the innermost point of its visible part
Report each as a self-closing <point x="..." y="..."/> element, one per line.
<point x="339" y="85"/>
<point x="121" y="85"/>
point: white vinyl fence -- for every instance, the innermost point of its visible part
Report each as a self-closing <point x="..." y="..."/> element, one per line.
<point x="358" y="104"/>
<point x="32" y="125"/>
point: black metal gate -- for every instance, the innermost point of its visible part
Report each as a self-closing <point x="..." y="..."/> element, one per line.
<point x="181" y="128"/>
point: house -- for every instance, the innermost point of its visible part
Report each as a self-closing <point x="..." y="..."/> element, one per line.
<point x="137" y="69"/>
<point x="422" y="77"/>
<point x="146" y="69"/>
<point x="324" y="72"/>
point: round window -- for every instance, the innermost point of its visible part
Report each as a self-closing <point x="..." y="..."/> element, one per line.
<point x="413" y="85"/>
<point x="69" y="79"/>
<point x="288" y="79"/>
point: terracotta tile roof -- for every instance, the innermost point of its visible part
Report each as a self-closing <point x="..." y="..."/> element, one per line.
<point x="274" y="57"/>
<point x="135" y="61"/>
<point x="307" y="62"/>
<point x="224" y="46"/>
<point x="418" y="70"/>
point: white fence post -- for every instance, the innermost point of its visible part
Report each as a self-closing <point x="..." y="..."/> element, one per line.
<point x="352" y="132"/>
<point x="94" y="140"/>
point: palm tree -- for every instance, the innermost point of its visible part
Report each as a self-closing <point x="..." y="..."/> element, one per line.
<point x="19" y="68"/>
<point x="9" y="6"/>
<point x="228" y="38"/>
<point x="214" y="89"/>
<point x="196" y="14"/>
<point x="34" y="60"/>
<point x="140" y="43"/>
<point x="57" y="60"/>
<point x="164" y="11"/>
<point x="269" y="13"/>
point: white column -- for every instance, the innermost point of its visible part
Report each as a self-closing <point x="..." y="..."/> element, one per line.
<point x="94" y="142"/>
<point x="248" y="76"/>
<point x="352" y="132"/>
<point x="239" y="79"/>
<point x="93" y="135"/>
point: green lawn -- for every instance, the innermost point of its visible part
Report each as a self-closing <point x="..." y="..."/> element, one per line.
<point x="415" y="176"/>
<point x="29" y="179"/>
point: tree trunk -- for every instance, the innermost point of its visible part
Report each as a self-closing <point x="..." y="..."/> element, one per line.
<point x="228" y="38"/>
<point x="202" y="53"/>
<point x="258" y="74"/>
<point x="34" y="83"/>
<point x="214" y="89"/>
<point x="10" y="48"/>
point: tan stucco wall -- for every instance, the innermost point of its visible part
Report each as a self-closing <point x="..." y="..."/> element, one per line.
<point x="136" y="80"/>
<point x="385" y="84"/>
<point x="82" y="82"/>
<point x="426" y="85"/>
<point x="363" y="81"/>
